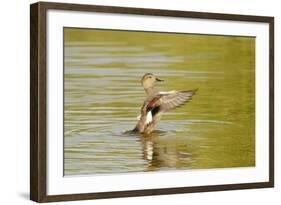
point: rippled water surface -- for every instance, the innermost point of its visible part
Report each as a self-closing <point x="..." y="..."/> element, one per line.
<point x="103" y="95"/>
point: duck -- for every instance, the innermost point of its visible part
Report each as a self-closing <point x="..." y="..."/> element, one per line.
<point x="157" y="103"/>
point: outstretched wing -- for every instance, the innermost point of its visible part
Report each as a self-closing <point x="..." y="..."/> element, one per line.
<point x="173" y="99"/>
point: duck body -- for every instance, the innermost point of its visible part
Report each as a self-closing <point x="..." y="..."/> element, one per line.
<point x="156" y="103"/>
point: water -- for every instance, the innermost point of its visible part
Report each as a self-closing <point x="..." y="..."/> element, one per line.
<point x="103" y="96"/>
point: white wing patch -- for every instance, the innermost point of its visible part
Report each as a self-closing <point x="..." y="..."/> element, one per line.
<point x="148" y="118"/>
<point x="168" y="92"/>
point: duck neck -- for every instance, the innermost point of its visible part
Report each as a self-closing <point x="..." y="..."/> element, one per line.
<point x="150" y="90"/>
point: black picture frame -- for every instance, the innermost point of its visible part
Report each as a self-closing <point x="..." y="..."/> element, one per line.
<point x="38" y="101"/>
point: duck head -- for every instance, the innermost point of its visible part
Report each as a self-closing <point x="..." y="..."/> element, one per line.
<point x="148" y="80"/>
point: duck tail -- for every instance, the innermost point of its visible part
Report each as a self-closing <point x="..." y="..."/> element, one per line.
<point x="135" y="130"/>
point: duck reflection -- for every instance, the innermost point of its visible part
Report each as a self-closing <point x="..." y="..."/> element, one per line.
<point x="162" y="152"/>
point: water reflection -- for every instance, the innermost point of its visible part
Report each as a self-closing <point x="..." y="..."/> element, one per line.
<point x="166" y="154"/>
<point x="160" y="152"/>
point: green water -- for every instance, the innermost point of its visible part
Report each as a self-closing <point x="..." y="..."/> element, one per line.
<point x="103" y="95"/>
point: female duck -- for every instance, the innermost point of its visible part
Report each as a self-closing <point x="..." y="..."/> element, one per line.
<point x="157" y="103"/>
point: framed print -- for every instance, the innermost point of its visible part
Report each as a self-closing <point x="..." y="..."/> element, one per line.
<point x="134" y="102"/>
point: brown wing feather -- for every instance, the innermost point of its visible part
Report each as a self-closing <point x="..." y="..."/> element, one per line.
<point x="172" y="100"/>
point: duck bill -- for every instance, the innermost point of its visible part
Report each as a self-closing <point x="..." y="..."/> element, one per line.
<point x="159" y="80"/>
